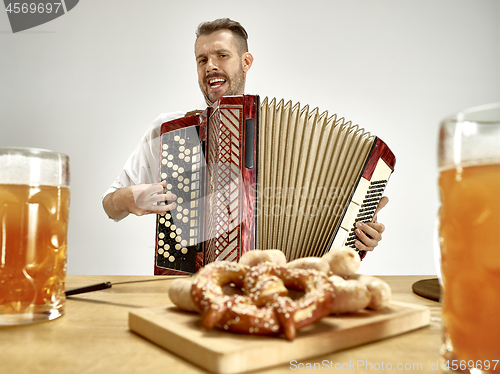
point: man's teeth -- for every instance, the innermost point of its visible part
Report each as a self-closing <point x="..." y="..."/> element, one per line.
<point x="215" y="81"/>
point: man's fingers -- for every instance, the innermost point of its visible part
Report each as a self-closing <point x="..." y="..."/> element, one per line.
<point x="159" y="209"/>
<point x="369" y="234"/>
<point x="375" y="228"/>
<point x="383" y="202"/>
<point x="155" y="188"/>
<point x="142" y="191"/>
<point x="171" y="206"/>
<point x="365" y="243"/>
<point x="163" y="197"/>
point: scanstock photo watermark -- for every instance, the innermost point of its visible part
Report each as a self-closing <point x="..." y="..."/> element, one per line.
<point x="25" y="15"/>
<point x="355" y="365"/>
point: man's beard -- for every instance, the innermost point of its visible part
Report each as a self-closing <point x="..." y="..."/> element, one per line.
<point x="236" y="86"/>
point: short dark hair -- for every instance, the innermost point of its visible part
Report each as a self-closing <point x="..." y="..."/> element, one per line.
<point x="235" y="27"/>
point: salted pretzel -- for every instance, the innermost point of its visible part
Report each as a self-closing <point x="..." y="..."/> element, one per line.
<point x="265" y="308"/>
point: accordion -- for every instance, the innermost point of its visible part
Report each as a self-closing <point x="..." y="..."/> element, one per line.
<point x="269" y="175"/>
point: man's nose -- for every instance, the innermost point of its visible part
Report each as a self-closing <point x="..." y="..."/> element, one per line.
<point x="211" y="65"/>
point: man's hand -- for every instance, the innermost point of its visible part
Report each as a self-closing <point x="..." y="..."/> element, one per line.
<point x="139" y="200"/>
<point x="370" y="234"/>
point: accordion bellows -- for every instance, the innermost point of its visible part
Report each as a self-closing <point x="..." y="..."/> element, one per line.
<point x="266" y="175"/>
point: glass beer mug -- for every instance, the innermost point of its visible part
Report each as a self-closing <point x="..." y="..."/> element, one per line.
<point x="469" y="227"/>
<point x="34" y="210"/>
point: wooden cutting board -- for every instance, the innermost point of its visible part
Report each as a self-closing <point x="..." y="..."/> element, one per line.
<point x="223" y="352"/>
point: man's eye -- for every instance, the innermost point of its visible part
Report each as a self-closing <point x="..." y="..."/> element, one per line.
<point x="202" y="61"/>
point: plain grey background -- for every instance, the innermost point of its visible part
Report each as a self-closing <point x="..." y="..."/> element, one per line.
<point x="89" y="83"/>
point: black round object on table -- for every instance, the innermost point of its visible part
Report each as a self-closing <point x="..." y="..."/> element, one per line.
<point x="428" y="288"/>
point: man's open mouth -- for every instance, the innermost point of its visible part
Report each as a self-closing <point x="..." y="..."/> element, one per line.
<point x="216" y="82"/>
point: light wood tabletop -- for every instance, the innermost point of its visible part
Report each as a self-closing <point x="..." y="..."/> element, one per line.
<point x="93" y="337"/>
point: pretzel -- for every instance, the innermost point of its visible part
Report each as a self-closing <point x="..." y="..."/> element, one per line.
<point x="264" y="309"/>
<point x="316" y="263"/>
<point x="351" y="296"/>
<point x="179" y="293"/>
<point x="380" y="291"/>
<point x="207" y="294"/>
<point x="257" y="256"/>
<point x="292" y="314"/>
<point x="343" y="261"/>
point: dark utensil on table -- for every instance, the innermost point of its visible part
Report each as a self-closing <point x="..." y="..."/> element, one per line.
<point x="105" y="285"/>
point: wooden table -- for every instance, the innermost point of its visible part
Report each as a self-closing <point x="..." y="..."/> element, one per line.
<point x="93" y="337"/>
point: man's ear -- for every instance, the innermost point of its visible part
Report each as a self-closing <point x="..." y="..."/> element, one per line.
<point x="246" y="61"/>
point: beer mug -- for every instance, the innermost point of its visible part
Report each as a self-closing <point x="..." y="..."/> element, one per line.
<point x="34" y="210"/>
<point x="469" y="224"/>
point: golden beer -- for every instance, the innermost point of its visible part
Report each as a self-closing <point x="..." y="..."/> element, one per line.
<point x="33" y="233"/>
<point x="470" y="220"/>
<point x="33" y="248"/>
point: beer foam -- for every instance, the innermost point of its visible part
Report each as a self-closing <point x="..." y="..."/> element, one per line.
<point x="23" y="169"/>
<point x="471" y="163"/>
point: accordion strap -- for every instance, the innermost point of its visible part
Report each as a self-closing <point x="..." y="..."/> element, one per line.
<point x="193" y="112"/>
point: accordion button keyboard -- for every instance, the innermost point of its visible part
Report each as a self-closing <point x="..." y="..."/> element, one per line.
<point x="367" y="210"/>
<point x="177" y="242"/>
<point x="363" y="204"/>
